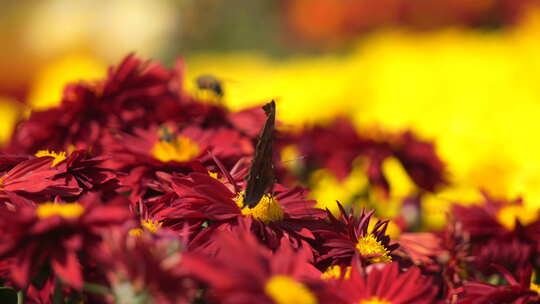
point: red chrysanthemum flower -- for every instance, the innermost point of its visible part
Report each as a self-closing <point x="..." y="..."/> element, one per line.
<point x="163" y="146"/>
<point x="387" y="284"/>
<point x="348" y="235"/>
<point x="500" y="233"/>
<point x="32" y="178"/>
<point x="420" y="160"/>
<point x="258" y="275"/>
<point x="166" y="149"/>
<point x="55" y="234"/>
<point x="146" y="267"/>
<point x="517" y="292"/>
<point x="284" y="213"/>
<point x="81" y="172"/>
<point x="135" y="94"/>
<point x="337" y="145"/>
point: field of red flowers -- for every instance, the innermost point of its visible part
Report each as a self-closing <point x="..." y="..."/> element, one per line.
<point x="134" y="191"/>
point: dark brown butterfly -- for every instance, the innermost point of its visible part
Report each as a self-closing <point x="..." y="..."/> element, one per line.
<point x="261" y="175"/>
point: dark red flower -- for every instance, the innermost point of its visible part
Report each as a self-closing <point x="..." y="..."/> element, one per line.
<point x="134" y="94"/>
<point x="285" y="213"/>
<point x="347" y="236"/>
<point x="502" y="233"/>
<point x="258" y="275"/>
<point x="54" y="234"/>
<point x="517" y="292"/>
<point x="493" y="218"/>
<point x="32" y="177"/>
<point x="146" y="267"/>
<point x="85" y="172"/>
<point x="168" y="149"/>
<point x="167" y="145"/>
<point x="420" y="160"/>
<point x="386" y="283"/>
<point x="337" y="145"/>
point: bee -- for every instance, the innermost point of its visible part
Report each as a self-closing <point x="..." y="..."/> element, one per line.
<point x="165" y="134"/>
<point x="208" y="82"/>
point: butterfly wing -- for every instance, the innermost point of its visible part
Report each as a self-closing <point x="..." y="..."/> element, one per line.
<point x="261" y="175"/>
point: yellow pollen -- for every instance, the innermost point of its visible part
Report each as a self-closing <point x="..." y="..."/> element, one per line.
<point x="58" y="157"/>
<point x="286" y="290"/>
<point x="71" y="148"/>
<point x="535" y="288"/>
<point x="267" y="210"/>
<point x="374" y="300"/>
<point x="68" y="211"/>
<point x="334" y="272"/>
<point x="137" y="232"/>
<point x="181" y="149"/>
<point x="507" y="216"/>
<point x="151" y="225"/>
<point x="213" y="174"/>
<point x="369" y="245"/>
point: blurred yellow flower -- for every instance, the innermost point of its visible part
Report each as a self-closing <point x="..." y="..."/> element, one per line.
<point x="9" y="113"/>
<point x="48" y="87"/>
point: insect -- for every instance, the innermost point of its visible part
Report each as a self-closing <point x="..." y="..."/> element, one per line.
<point x="261" y="173"/>
<point x="165" y="134"/>
<point x="211" y="83"/>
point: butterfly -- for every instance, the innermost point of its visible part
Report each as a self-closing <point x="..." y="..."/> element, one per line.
<point x="261" y="173"/>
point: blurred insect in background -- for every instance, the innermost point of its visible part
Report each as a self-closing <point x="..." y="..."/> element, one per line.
<point x="209" y="87"/>
<point x="165" y="134"/>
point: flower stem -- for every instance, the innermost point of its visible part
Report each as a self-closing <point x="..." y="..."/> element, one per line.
<point x="20" y="296"/>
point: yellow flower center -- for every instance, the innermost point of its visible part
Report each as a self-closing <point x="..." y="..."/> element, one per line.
<point x="267" y="210"/>
<point x="535" y="288"/>
<point x="180" y="149"/>
<point x="334" y="272"/>
<point x="213" y="174"/>
<point x="138" y="232"/>
<point x="68" y="211"/>
<point x="58" y="157"/>
<point x="507" y="216"/>
<point x="369" y="245"/>
<point x="374" y="300"/>
<point x="286" y="290"/>
<point x="149" y="225"/>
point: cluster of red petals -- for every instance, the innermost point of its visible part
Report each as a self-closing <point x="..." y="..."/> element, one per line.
<point x="493" y="243"/>
<point x="339" y="238"/>
<point x="36" y="244"/>
<point x="386" y="282"/>
<point x="244" y="282"/>
<point x="321" y="149"/>
<point x="138" y="199"/>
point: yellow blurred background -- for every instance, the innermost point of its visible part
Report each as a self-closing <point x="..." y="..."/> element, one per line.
<point x="469" y="84"/>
